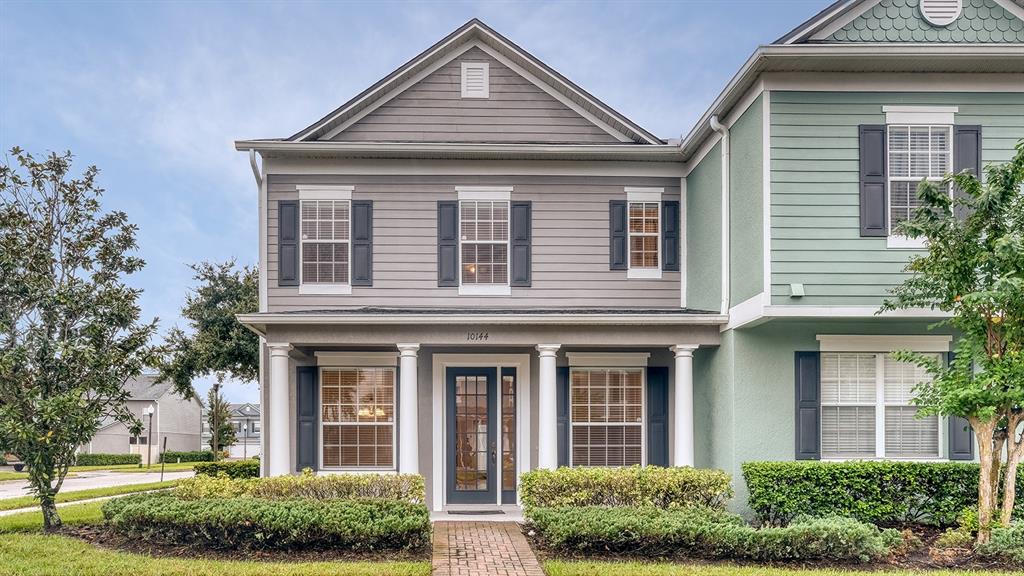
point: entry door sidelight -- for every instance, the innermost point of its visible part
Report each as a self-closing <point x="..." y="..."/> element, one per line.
<point x="472" y="438"/>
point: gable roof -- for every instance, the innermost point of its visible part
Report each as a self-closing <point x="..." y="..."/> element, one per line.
<point x="145" y="387"/>
<point x="476" y="33"/>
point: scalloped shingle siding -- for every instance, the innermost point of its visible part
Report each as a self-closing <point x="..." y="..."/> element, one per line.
<point x="982" y="21"/>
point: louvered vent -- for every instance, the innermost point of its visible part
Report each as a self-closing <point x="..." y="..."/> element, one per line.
<point x="475" y="80"/>
<point x="941" y="12"/>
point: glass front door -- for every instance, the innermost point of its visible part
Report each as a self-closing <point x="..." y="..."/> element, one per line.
<point x="472" y="435"/>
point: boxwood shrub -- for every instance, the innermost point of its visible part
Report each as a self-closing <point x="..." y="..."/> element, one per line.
<point x="404" y="487"/>
<point x="1007" y="544"/>
<point x="172" y="456"/>
<point x="632" y="486"/>
<point x="254" y="523"/>
<point x="702" y="533"/>
<point x="232" y="469"/>
<point x="107" y="459"/>
<point x="882" y="492"/>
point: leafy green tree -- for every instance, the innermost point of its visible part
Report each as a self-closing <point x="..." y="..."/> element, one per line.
<point x="70" y="333"/>
<point x="974" y="270"/>
<point x="222" y="432"/>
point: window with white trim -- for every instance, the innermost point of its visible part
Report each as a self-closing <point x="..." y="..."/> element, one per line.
<point x="915" y="153"/>
<point x="606" y="416"/>
<point x="866" y="409"/>
<point x="484" y="242"/>
<point x="644" y="235"/>
<point x="357" y="417"/>
<point x="325" y="246"/>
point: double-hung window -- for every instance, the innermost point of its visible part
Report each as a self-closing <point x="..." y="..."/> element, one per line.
<point x="325" y="239"/>
<point x="607" y="416"/>
<point x="484" y="241"/>
<point x="357" y="417"/>
<point x="644" y="228"/>
<point x="915" y="153"/>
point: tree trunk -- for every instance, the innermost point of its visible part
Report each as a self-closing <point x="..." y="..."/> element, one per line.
<point x="51" y="520"/>
<point x="1014" y="451"/>
<point x="988" y="477"/>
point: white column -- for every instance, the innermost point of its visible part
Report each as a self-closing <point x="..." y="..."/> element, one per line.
<point x="279" y="433"/>
<point x="547" y="419"/>
<point x="408" y="423"/>
<point x="682" y="452"/>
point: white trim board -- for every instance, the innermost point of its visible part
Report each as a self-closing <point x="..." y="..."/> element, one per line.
<point x="882" y="343"/>
<point x="389" y="167"/>
<point x="484" y="192"/>
<point x="356" y="359"/>
<point x="607" y="359"/>
<point x="324" y="192"/>
<point x="920" y="114"/>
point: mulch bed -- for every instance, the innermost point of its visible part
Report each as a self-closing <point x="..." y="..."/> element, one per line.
<point x="925" y="557"/>
<point x="103" y="537"/>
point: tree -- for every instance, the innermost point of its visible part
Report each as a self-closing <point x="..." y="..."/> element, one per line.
<point x="70" y="334"/>
<point x="974" y="270"/>
<point x="222" y="433"/>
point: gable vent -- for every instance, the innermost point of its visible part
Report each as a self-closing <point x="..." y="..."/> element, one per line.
<point x="476" y="80"/>
<point x="941" y="12"/>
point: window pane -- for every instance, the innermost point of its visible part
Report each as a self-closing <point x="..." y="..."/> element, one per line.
<point x="607" y="416"/>
<point x="907" y="436"/>
<point x="847" y="378"/>
<point x="901" y="378"/>
<point x="484" y="237"/>
<point x="325" y="232"/>
<point x="357" y="412"/>
<point x="847" y="431"/>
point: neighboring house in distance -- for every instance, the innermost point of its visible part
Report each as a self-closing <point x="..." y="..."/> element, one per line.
<point x="245" y="419"/>
<point x="174" y="418"/>
<point x="475" y="268"/>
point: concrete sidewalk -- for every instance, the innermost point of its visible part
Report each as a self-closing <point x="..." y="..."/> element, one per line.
<point x="94" y="479"/>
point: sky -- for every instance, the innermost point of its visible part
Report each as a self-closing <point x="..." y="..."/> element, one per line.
<point x="155" y="93"/>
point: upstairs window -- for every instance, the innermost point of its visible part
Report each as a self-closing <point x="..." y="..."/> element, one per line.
<point x="484" y="242"/>
<point x="644" y="235"/>
<point x="915" y="153"/>
<point x="325" y="248"/>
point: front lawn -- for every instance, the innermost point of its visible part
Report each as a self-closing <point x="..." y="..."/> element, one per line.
<point x="571" y="568"/>
<point x="169" y="467"/>
<point x="13" y="476"/>
<point x="88" y="513"/>
<point x="76" y="495"/>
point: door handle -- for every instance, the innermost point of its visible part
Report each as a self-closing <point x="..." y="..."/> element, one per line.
<point x="494" y="454"/>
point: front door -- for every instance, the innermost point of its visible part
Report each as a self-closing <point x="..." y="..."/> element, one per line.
<point x="472" y="435"/>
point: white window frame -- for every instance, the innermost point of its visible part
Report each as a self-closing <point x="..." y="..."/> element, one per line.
<point x="485" y="67"/>
<point x="643" y="407"/>
<point x="636" y="196"/>
<point x="486" y="194"/>
<point x="325" y="192"/>
<point x="394" y="423"/>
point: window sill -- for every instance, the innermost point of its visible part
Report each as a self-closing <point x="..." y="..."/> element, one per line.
<point x="325" y="289"/>
<point x="332" y="471"/>
<point x="485" y="290"/>
<point x="905" y="243"/>
<point x="886" y="459"/>
<point x="644" y="273"/>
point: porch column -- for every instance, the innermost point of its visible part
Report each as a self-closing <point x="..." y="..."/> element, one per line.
<point x="682" y="452"/>
<point x="408" y="418"/>
<point x="547" y="418"/>
<point x="279" y="437"/>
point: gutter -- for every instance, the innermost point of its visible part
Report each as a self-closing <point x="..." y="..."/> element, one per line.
<point x="256" y="322"/>
<point x="657" y="152"/>
<point x="724" y="131"/>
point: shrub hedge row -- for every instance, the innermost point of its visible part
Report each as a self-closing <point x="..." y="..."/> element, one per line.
<point x="883" y="492"/>
<point x="253" y="523"/>
<point x="172" y="456"/>
<point x="404" y="487"/>
<point x="107" y="459"/>
<point x="232" y="469"/>
<point x="633" y="486"/>
<point x="705" y="533"/>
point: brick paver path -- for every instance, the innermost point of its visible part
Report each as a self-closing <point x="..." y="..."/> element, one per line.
<point x="482" y="549"/>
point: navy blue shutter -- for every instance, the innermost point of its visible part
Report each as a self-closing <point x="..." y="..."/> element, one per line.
<point x="448" y="243"/>
<point x="670" y="235"/>
<point x="966" y="156"/>
<point x="521" y="236"/>
<point x="961" y="436"/>
<point x="562" y="412"/>
<point x="362" y="243"/>
<point x="617" y="236"/>
<point x="307" y="390"/>
<point x="288" y="243"/>
<point x="808" y="406"/>
<point x="657" y="416"/>
<point x="874" y="219"/>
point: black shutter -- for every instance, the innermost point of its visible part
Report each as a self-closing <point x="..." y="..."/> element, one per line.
<point x="362" y="243"/>
<point x="670" y="235"/>
<point x="562" y="412"/>
<point x="288" y="243"/>
<point x="657" y="416"/>
<point x="448" y="243"/>
<point x="961" y="436"/>
<point x="966" y="156"/>
<point x="808" y="406"/>
<point x="617" y="237"/>
<point x="873" y="214"/>
<point x="307" y="390"/>
<point x="521" y="238"/>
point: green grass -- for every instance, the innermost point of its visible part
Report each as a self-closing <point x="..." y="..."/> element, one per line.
<point x="88" y="513"/>
<point x="169" y="467"/>
<point x="38" y="555"/>
<point x="76" y="495"/>
<point x="13" y="476"/>
<point x="567" y="568"/>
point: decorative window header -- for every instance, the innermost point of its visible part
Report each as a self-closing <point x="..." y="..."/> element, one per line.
<point x="863" y="343"/>
<point x="608" y="359"/>
<point x="919" y="114"/>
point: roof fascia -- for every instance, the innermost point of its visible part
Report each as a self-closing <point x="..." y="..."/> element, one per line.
<point x="260" y="320"/>
<point x="816" y="22"/>
<point x="626" y="151"/>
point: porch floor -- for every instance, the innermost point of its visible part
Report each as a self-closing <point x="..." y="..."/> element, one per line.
<point x="482" y="549"/>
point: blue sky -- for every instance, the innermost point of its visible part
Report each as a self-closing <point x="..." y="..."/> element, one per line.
<point x="154" y="93"/>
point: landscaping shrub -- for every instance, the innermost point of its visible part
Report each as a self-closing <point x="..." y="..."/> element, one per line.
<point x="404" y="487"/>
<point x="883" y="493"/>
<point x="171" y="456"/>
<point x="253" y="523"/>
<point x="107" y="459"/>
<point x="632" y="486"/>
<point x="233" y="469"/>
<point x="1006" y="544"/>
<point x="706" y="534"/>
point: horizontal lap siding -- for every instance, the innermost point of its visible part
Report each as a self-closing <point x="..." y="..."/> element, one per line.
<point x="433" y="110"/>
<point x="570" y="243"/>
<point x="814" y="170"/>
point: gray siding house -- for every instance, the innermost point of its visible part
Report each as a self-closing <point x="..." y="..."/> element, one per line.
<point x="475" y="268"/>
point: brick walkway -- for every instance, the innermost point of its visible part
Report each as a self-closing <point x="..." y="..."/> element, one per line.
<point x="482" y="549"/>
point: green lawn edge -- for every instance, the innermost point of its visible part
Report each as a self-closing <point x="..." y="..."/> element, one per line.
<point x="76" y="495"/>
<point x="613" y="568"/>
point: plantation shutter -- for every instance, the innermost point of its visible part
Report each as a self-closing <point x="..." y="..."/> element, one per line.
<point x="307" y="390"/>
<point x="670" y="235"/>
<point x="961" y="437"/>
<point x="288" y="243"/>
<point x="448" y="243"/>
<point x="562" y="413"/>
<point x="618" y="250"/>
<point x="966" y="156"/>
<point x="808" y="406"/>
<point x="657" y="416"/>
<point x="362" y="243"/>
<point x="520" y="240"/>
<point x="873" y="213"/>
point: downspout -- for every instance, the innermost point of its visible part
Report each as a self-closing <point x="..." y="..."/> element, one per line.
<point x="724" y="131"/>
<point x="261" y="192"/>
<point x="255" y="168"/>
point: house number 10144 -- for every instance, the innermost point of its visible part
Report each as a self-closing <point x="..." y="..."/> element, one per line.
<point x="476" y="336"/>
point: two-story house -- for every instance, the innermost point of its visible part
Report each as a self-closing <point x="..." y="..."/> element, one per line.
<point x="475" y="268"/>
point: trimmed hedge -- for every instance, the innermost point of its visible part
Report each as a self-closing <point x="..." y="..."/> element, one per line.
<point x="632" y="486"/>
<point x="107" y="459"/>
<point x="256" y="524"/>
<point x="706" y="534"/>
<point x="883" y="492"/>
<point x="171" y="456"/>
<point x="403" y="487"/>
<point x="232" y="469"/>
